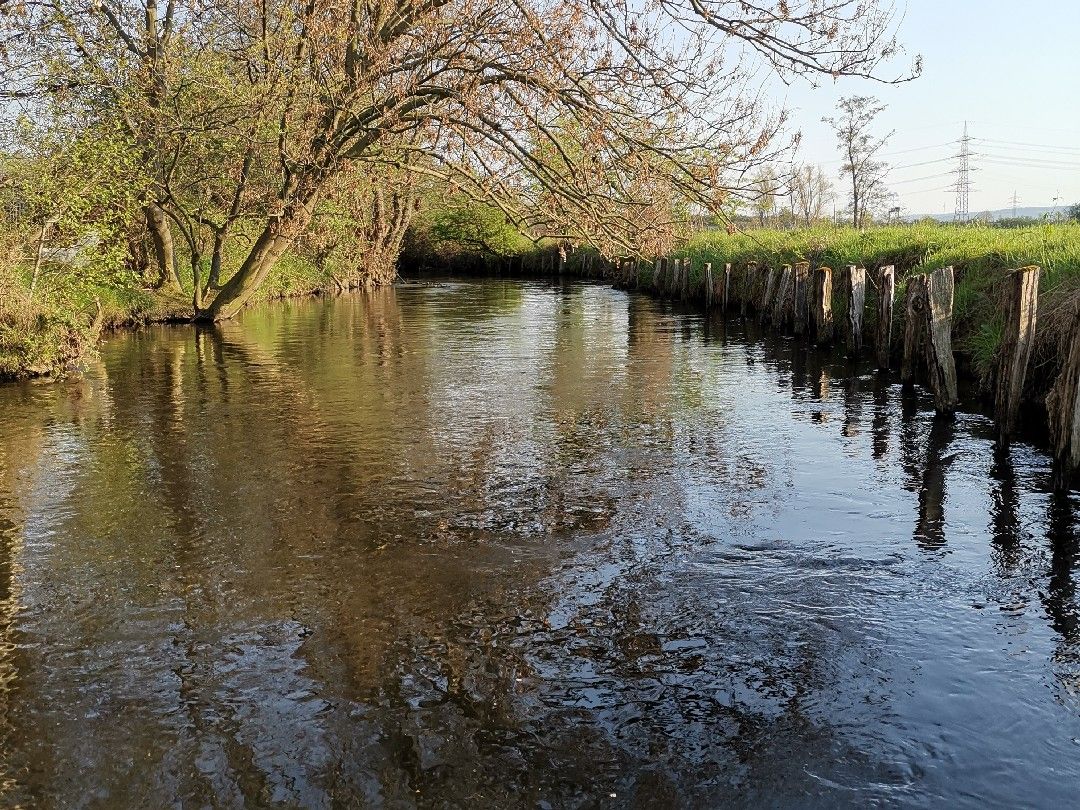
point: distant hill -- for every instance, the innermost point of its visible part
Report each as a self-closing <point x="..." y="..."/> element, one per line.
<point x="1001" y="213"/>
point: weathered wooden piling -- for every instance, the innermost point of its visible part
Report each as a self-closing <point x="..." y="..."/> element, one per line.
<point x="941" y="365"/>
<point x="914" y="301"/>
<point x="1022" y="300"/>
<point x="801" y="297"/>
<point x="707" y="270"/>
<point x="929" y="322"/>
<point x="726" y="296"/>
<point x="886" y="285"/>
<point x="749" y="275"/>
<point x="856" y="306"/>
<point x="656" y="276"/>
<point x="821" y="308"/>
<point x="1063" y="410"/>
<point x="686" y="266"/>
<point x="771" y="283"/>
<point x="782" y="304"/>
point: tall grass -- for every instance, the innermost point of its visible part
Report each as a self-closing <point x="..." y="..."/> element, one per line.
<point x="980" y="255"/>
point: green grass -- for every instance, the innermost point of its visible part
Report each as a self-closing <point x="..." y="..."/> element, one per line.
<point x="59" y="328"/>
<point x="980" y="256"/>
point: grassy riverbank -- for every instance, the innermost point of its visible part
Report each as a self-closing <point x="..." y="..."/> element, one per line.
<point x="58" y="327"/>
<point x="980" y="256"/>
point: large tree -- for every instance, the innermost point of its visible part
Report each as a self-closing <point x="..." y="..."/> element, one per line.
<point x="574" y="117"/>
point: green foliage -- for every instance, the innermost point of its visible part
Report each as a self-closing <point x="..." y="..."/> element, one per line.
<point x="77" y="193"/>
<point x="69" y="199"/>
<point x="474" y="227"/>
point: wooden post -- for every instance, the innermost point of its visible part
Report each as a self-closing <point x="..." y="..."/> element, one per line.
<point x="749" y="276"/>
<point x="708" y="285"/>
<point x="771" y="283"/>
<point x="562" y="258"/>
<point x="940" y="292"/>
<point x="686" y="263"/>
<point x="782" y="304"/>
<point x="886" y="293"/>
<point x="1016" y="345"/>
<point x="856" y="301"/>
<point x="822" y="305"/>
<point x="1063" y="410"/>
<point x="727" y="286"/>
<point x="800" y="297"/>
<point x="656" y="275"/>
<point x="929" y="312"/>
<point x="914" y="302"/>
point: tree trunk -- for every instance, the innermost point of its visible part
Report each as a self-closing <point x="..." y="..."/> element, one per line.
<point x="157" y="223"/>
<point x="239" y="289"/>
<point x="214" y="282"/>
<point x="196" y="281"/>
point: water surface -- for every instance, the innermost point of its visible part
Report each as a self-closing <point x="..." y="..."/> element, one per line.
<point x="521" y="545"/>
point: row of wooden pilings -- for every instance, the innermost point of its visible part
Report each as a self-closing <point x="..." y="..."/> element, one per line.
<point x="799" y="299"/>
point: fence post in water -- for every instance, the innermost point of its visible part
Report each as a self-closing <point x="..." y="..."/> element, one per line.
<point x="800" y="297"/>
<point x="686" y="279"/>
<point x="940" y="291"/>
<point x="914" y="302"/>
<point x="767" y="296"/>
<point x="656" y="275"/>
<point x="886" y="292"/>
<point x="749" y="272"/>
<point x="1017" y="342"/>
<point x="784" y="292"/>
<point x="707" y="269"/>
<point x="727" y="285"/>
<point x="562" y="258"/>
<point x="856" y="306"/>
<point x="1063" y="410"/>
<point x="822" y="305"/>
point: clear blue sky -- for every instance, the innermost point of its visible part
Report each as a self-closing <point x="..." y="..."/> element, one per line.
<point x="1011" y="69"/>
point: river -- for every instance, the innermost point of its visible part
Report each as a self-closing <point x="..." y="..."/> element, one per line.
<point x="519" y="544"/>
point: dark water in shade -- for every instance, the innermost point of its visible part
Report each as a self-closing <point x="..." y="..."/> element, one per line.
<point x="514" y="545"/>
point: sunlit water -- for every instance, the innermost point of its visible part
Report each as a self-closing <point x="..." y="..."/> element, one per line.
<point x="518" y="545"/>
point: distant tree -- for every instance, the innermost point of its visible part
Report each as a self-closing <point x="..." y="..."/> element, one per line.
<point x="1074" y="212"/>
<point x="859" y="149"/>
<point x="766" y="187"/>
<point x="810" y="192"/>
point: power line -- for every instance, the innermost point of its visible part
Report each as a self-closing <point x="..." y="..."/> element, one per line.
<point x="1027" y="159"/>
<point x="898" y="152"/>
<point x="1038" y="147"/>
<point x="924" y="163"/>
<point x="919" y="179"/>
